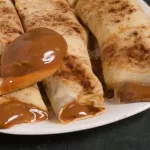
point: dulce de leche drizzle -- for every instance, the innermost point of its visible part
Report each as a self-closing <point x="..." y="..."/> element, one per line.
<point x="31" y="57"/>
<point x="14" y="112"/>
<point x="76" y="110"/>
<point x="133" y="92"/>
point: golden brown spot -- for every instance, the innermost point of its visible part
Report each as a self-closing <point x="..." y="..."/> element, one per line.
<point x="2" y="2"/>
<point x="60" y="20"/>
<point x="9" y="24"/>
<point x="117" y="21"/>
<point x="63" y="6"/>
<point x="137" y="53"/>
<point x="6" y="10"/>
<point x="108" y="52"/>
<point x="74" y="71"/>
<point x="113" y="8"/>
<point x="64" y="18"/>
<point x="114" y="2"/>
<point x="135" y="33"/>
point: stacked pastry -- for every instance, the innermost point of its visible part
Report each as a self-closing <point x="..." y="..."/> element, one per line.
<point x="73" y="88"/>
<point x="25" y="105"/>
<point x="74" y="91"/>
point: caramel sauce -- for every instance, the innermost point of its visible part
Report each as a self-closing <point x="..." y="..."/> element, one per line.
<point x="75" y="110"/>
<point x="132" y="92"/>
<point x="30" y="58"/>
<point x="14" y="112"/>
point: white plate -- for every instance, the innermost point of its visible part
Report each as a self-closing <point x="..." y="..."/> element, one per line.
<point x="115" y="112"/>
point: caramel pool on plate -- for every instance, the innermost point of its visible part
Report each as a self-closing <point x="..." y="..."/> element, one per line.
<point x="30" y="58"/>
<point x="13" y="112"/>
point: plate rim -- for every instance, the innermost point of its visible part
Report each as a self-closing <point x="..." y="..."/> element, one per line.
<point x="89" y="126"/>
<point x="6" y="131"/>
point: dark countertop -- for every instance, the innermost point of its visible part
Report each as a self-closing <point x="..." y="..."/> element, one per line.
<point x="130" y="134"/>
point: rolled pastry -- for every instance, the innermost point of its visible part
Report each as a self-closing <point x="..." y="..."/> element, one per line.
<point x="25" y="105"/>
<point x="123" y="33"/>
<point x="74" y="91"/>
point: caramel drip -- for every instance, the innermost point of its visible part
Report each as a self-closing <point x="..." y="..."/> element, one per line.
<point x="76" y="110"/>
<point x="31" y="57"/>
<point x="133" y="92"/>
<point x="14" y="112"/>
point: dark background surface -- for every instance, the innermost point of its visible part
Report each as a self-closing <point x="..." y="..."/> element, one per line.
<point x="130" y="134"/>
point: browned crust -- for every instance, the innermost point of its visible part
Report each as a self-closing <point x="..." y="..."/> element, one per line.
<point x="136" y="54"/>
<point x="9" y="30"/>
<point x="74" y="71"/>
<point x="117" y="10"/>
<point x="61" y="19"/>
